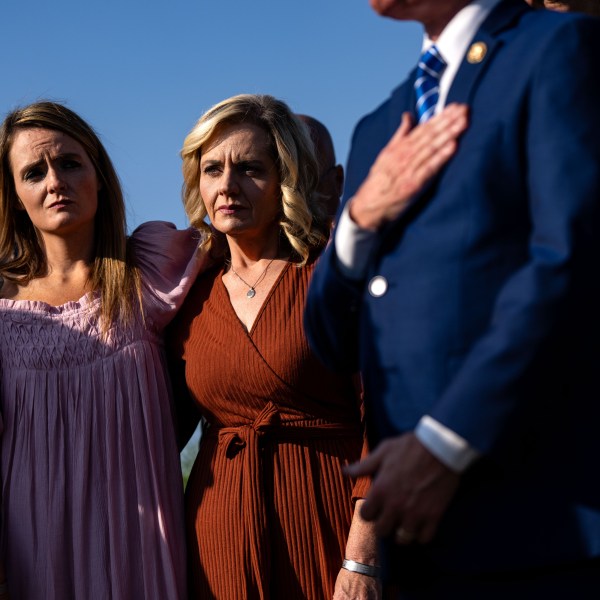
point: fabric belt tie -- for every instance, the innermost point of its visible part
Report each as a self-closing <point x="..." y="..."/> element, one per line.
<point x="248" y="438"/>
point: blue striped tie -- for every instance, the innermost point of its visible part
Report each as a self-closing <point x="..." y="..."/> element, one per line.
<point x="427" y="83"/>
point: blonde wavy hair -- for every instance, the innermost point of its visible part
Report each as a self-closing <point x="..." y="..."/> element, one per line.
<point x="22" y="257"/>
<point x="302" y="220"/>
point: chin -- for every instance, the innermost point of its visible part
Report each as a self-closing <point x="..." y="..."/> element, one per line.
<point x="387" y="8"/>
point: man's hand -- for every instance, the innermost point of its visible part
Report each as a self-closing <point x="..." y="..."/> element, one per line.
<point x="406" y="163"/>
<point x="410" y="492"/>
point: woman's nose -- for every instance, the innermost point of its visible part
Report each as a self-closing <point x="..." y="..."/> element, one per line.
<point x="228" y="184"/>
<point x="54" y="180"/>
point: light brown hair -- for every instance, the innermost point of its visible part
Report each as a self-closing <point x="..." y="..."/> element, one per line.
<point x="22" y="257"/>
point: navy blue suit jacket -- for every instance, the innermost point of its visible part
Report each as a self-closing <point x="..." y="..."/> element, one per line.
<point x="491" y="318"/>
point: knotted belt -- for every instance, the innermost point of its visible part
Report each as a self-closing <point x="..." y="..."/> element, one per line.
<point x="248" y="438"/>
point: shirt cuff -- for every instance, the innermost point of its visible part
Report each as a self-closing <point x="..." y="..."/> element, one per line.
<point x="353" y="246"/>
<point x="446" y="445"/>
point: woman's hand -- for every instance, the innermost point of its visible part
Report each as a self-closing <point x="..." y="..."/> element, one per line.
<point x="354" y="586"/>
<point x="361" y="547"/>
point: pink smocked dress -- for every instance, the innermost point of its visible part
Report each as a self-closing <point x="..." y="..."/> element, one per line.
<point x="92" y="501"/>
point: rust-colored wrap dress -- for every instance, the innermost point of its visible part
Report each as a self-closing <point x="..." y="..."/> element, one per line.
<point x="267" y="507"/>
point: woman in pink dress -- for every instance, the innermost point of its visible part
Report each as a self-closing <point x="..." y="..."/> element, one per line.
<point x="91" y="482"/>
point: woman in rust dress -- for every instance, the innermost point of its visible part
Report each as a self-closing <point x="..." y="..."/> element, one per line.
<point x="270" y="513"/>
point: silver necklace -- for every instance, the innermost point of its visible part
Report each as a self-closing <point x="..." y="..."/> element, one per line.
<point x="251" y="288"/>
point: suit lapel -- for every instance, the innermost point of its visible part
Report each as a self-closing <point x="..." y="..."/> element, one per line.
<point x="403" y="100"/>
<point x="486" y="42"/>
<point x="472" y="68"/>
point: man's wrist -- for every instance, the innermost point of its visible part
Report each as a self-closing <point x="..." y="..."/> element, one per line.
<point x="361" y="215"/>
<point x="446" y="445"/>
<point x="353" y="246"/>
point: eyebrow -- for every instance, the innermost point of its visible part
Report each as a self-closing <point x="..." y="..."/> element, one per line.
<point x="37" y="163"/>
<point x="237" y="161"/>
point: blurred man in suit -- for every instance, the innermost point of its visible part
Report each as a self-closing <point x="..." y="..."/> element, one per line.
<point x="473" y="313"/>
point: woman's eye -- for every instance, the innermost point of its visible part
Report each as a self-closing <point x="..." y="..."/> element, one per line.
<point x="33" y="174"/>
<point x="210" y="170"/>
<point x="251" y="170"/>
<point x="70" y="164"/>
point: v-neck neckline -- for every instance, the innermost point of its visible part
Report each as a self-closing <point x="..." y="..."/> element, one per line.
<point x="250" y="332"/>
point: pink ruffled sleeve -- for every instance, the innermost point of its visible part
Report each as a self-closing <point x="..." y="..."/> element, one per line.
<point x="169" y="260"/>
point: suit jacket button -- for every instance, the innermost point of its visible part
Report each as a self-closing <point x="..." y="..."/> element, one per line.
<point x="378" y="286"/>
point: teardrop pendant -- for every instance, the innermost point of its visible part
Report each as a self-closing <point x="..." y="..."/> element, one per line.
<point x="250" y="293"/>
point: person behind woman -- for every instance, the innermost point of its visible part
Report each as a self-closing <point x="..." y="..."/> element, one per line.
<point x="590" y="7"/>
<point x="92" y="501"/>
<point x="269" y="512"/>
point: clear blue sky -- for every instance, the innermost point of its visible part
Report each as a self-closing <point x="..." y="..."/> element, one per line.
<point x="141" y="72"/>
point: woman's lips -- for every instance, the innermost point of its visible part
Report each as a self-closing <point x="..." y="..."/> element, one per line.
<point x="230" y="209"/>
<point x="61" y="203"/>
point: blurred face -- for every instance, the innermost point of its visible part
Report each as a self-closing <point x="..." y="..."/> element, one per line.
<point x="548" y="4"/>
<point x="331" y="177"/>
<point x="331" y="186"/>
<point x="434" y="14"/>
<point x="239" y="182"/>
<point x="390" y="8"/>
<point x="55" y="181"/>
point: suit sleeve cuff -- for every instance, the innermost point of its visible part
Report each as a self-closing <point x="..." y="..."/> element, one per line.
<point x="353" y="246"/>
<point x="446" y="445"/>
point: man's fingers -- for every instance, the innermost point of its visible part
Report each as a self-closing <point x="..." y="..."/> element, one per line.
<point x="406" y="126"/>
<point x="431" y="156"/>
<point x="427" y="531"/>
<point x="428" y="165"/>
<point x="381" y="509"/>
<point x="425" y="145"/>
<point x="433" y="135"/>
<point x="409" y="160"/>
<point x="404" y="536"/>
<point x="386" y="520"/>
<point x="367" y="466"/>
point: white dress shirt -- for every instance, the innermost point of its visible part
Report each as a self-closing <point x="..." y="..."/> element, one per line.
<point x="455" y="40"/>
<point x="354" y="245"/>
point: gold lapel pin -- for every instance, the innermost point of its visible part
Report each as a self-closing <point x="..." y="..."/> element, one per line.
<point x="476" y="52"/>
